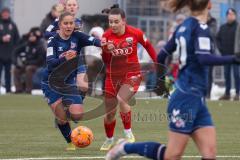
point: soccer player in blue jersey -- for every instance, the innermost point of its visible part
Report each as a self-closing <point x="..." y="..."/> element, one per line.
<point x="187" y="110"/>
<point x="69" y="6"/>
<point x="62" y="48"/>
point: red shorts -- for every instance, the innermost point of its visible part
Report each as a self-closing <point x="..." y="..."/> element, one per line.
<point x="114" y="83"/>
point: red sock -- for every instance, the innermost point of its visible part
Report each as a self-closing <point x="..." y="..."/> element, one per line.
<point x="126" y="119"/>
<point x="109" y="128"/>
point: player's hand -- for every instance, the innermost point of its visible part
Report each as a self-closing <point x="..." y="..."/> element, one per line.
<point x="103" y="42"/>
<point x="107" y="46"/>
<point x="161" y="88"/>
<point x="110" y="46"/>
<point x="70" y="54"/>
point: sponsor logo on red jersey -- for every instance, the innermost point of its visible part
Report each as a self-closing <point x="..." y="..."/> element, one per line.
<point x="129" y="40"/>
<point x="123" y="48"/>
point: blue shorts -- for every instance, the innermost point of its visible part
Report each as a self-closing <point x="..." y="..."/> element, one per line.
<point x="187" y="113"/>
<point x="52" y="96"/>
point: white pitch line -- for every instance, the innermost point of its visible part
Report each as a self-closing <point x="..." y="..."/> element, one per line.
<point x="68" y="158"/>
<point x="230" y="156"/>
<point x="102" y="157"/>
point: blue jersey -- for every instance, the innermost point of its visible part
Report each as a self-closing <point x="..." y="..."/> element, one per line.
<point x="57" y="48"/>
<point x="190" y="39"/>
<point x="52" y="29"/>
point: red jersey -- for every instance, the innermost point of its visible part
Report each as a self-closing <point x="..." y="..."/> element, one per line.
<point x="120" y="57"/>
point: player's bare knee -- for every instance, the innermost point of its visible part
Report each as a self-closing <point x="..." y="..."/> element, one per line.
<point x="77" y="117"/>
<point x="83" y="88"/>
<point x="121" y="100"/>
<point x="123" y="103"/>
<point x="209" y="152"/>
<point x="110" y="117"/>
<point x="110" y="113"/>
<point x="111" y="102"/>
<point x="56" y="104"/>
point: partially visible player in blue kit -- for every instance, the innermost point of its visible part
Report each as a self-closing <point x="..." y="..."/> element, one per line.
<point x="63" y="47"/>
<point x="71" y="6"/>
<point x="187" y="110"/>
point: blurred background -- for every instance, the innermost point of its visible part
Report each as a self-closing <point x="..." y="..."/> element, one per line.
<point x="149" y="15"/>
<point x="141" y="13"/>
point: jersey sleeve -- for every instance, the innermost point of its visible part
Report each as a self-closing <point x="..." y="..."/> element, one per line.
<point x="202" y="40"/>
<point x="142" y="39"/>
<point x="52" y="60"/>
<point x="86" y="40"/>
<point x="168" y="49"/>
<point x="204" y="48"/>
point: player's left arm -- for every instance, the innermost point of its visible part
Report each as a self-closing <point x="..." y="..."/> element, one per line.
<point x="86" y="40"/>
<point x="205" y="51"/>
<point x="142" y="39"/>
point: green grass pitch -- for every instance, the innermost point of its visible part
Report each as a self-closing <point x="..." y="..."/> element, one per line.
<point x="27" y="128"/>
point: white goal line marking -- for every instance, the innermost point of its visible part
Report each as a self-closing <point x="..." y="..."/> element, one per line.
<point x="102" y="157"/>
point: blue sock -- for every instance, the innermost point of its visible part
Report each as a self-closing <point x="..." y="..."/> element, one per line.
<point x="150" y="150"/>
<point x="66" y="131"/>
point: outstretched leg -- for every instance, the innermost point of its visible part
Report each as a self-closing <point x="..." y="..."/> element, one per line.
<point x="152" y="150"/>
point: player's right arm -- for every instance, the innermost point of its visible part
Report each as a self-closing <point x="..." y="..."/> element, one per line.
<point x="167" y="50"/>
<point x="52" y="59"/>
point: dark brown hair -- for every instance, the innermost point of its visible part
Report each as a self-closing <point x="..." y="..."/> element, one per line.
<point x="114" y="10"/>
<point x="194" y="5"/>
<point x="64" y="14"/>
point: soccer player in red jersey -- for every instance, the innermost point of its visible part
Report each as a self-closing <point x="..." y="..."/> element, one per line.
<point x="123" y="75"/>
